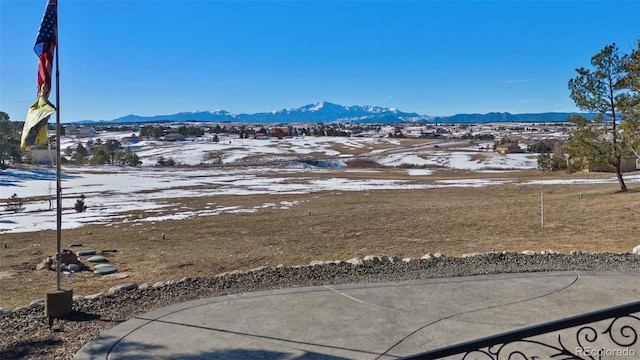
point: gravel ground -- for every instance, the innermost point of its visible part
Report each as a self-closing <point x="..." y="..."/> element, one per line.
<point x="25" y="334"/>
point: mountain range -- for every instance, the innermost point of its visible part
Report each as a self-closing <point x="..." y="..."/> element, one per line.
<point x="326" y="112"/>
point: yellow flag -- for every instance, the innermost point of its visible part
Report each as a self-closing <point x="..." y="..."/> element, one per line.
<point x="34" y="131"/>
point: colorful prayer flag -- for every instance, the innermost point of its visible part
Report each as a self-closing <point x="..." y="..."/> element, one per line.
<point x="34" y="131"/>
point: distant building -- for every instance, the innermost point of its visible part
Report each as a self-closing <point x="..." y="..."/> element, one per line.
<point x="42" y="155"/>
<point x="261" y="136"/>
<point x="80" y="131"/>
<point x="508" y="148"/>
<point x="280" y="132"/>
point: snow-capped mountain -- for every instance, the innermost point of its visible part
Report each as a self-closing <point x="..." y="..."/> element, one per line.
<point x="319" y="112"/>
<point x="326" y="112"/>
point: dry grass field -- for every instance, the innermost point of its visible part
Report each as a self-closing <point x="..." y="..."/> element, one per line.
<point x="336" y="225"/>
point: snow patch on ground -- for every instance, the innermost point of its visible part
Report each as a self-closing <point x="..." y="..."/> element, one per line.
<point x="134" y="195"/>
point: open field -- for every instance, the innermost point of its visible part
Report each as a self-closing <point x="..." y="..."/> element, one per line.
<point x="261" y="204"/>
<point x="296" y="228"/>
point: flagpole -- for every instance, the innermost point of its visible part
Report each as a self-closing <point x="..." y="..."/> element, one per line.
<point x="57" y="303"/>
<point x="58" y="182"/>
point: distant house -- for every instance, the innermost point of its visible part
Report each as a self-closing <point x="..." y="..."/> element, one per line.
<point x="413" y="132"/>
<point x="80" y="131"/>
<point x="417" y="134"/>
<point x="42" y="155"/>
<point x="508" y="148"/>
<point x="280" y="132"/>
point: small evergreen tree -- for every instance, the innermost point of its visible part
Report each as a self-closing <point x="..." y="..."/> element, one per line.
<point x="15" y="204"/>
<point x="166" y="162"/>
<point x="100" y="156"/>
<point x="112" y="146"/>
<point x="551" y="162"/>
<point x="129" y="158"/>
<point x="80" y="205"/>
<point x="80" y="155"/>
<point x="544" y="162"/>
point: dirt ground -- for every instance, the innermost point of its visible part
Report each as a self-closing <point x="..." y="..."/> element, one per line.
<point x="334" y="225"/>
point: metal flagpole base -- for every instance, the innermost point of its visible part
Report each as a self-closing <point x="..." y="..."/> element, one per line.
<point x="58" y="303"/>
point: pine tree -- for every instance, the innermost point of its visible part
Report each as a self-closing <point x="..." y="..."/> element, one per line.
<point x="608" y="92"/>
<point x="9" y="142"/>
<point x="80" y="205"/>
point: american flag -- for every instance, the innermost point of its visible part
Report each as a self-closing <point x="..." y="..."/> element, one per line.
<point x="45" y="46"/>
<point x="34" y="131"/>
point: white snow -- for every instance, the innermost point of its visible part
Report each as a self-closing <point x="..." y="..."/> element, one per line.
<point x="112" y="193"/>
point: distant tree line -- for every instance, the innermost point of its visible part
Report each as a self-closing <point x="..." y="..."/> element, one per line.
<point x="10" y="151"/>
<point x="480" y="137"/>
<point x="97" y="152"/>
<point x="152" y="132"/>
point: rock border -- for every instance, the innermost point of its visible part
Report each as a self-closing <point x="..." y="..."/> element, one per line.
<point x="546" y="258"/>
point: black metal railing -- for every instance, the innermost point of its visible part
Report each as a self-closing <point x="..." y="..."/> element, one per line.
<point x="617" y="338"/>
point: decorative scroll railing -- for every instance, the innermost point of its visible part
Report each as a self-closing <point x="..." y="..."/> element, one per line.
<point x="605" y="334"/>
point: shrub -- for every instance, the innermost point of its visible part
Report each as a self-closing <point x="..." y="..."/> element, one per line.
<point x="363" y="163"/>
<point x="166" y="162"/>
<point x="15" y="204"/>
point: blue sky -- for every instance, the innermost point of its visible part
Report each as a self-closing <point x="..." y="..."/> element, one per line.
<point x="152" y="57"/>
